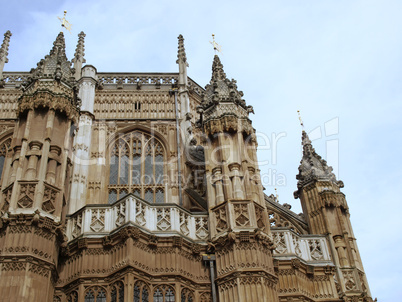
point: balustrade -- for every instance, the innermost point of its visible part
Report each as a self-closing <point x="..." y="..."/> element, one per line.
<point x="160" y="219"/>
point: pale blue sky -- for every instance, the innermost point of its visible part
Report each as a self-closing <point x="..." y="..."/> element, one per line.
<point x="336" y="61"/>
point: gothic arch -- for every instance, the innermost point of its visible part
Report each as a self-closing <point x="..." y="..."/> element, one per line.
<point x="187" y="295"/>
<point x="5" y="145"/>
<point x="95" y="294"/>
<point x="137" y="164"/>
<point x="164" y="293"/>
<point x="72" y="296"/>
<point x="141" y="292"/>
<point x="117" y="292"/>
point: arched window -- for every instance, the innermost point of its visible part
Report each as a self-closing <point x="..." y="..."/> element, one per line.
<point x="205" y="297"/>
<point x="137" y="166"/>
<point x="117" y="292"/>
<point x="186" y="295"/>
<point x="141" y="292"/>
<point x="3" y="154"/>
<point x="95" y="294"/>
<point x="72" y="297"/>
<point x="164" y="293"/>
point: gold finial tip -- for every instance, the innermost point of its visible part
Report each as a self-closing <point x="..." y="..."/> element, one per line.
<point x="300" y="119"/>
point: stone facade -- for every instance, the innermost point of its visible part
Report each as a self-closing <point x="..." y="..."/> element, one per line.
<point x="146" y="187"/>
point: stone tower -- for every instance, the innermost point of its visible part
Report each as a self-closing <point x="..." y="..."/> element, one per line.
<point x="35" y="182"/>
<point x="238" y="226"/>
<point x="139" y="187"/>
<point x="327" y="213"/>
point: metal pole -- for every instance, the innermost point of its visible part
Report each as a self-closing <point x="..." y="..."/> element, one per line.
<point x="174" y="90"/>
<point x="210" y="260"/>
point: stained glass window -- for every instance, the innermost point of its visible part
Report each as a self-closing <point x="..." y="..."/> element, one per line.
<point x="137" y="166"/>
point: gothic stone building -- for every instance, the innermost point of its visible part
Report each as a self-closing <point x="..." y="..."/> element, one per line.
<point x="145" y="187"/>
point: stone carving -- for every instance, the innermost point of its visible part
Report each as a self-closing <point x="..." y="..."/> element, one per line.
<point x="120" y="210"/>
<point x="315" y="249"/>
<point x="206" y="297"/>
<point x="76" y="226"/>
<point x="221" y="219"/>
<point x="279" y="240"/>
<point x="350" y="282"/>
<point x="163" y="219"/>
<point x="26" y="196"/>
<point x="6" y="197"/>
<point x="201" y="227"/>
<point x="241" y="214"/>
<point x="39" y="270"/>
<point x="49" y="199"/>
<point x="13" y="266"/>
<point x="259" y="216"/>
<point x="184" y="223"/>
<point x="296" y="244"/>
<point x="140" y="214"/>
<point x="98" y="220"/>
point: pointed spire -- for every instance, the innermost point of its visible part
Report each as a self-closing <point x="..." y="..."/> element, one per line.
<point x="4" y="52"/>
<point x="182" y="61"/>
<point x="221" y="89"/>
<point x="55" y="65"/>
<point x="79" y="55"/>
<point x="312" y="166"/>
<point x="181" y="54"/>
<point x="217" y="70"/>
<point x="59" y="46"/>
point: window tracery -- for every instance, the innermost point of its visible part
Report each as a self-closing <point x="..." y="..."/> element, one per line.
<point x="95" y="294"/>
<point x="3" y="154"/>
<point x="187" y="295"/>
<point x="137" y="166"/>
<point x="141" y="292"/>
<point x="164" y="293"/>
<point x="72" y="297"/>
<point x="117" y="292"/>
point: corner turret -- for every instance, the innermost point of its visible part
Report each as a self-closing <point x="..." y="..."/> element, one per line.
<point x="313" y="167"/>
<point x="38" y="174"/>
<point x="327" y="213"/>
<point x="235" y="198"/>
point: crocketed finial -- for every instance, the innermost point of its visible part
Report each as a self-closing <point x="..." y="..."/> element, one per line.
<point x="4" y="52"/>
<point x="181" y="54"/>
<point x="79" y="59"/>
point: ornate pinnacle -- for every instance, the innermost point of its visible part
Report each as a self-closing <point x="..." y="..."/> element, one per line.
<point x="59" y="46"/>
<point x="79" y="55"/>
<point x="4" y="52"/>
<point x="217" y="70"/>
<point x="312" y="166"/>
<point x="181" y="54"/>
<point x="4" y="47"/>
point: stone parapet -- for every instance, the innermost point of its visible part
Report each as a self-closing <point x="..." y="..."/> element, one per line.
<point x="313" y="249"/>
<point x="162" y="219"/>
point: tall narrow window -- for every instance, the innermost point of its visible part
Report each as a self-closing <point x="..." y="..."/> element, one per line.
<point x="141" y="292"/>
<point x="117" y="292"/>
<point x="3" y="154"/>
<point x="137" y="166"/>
